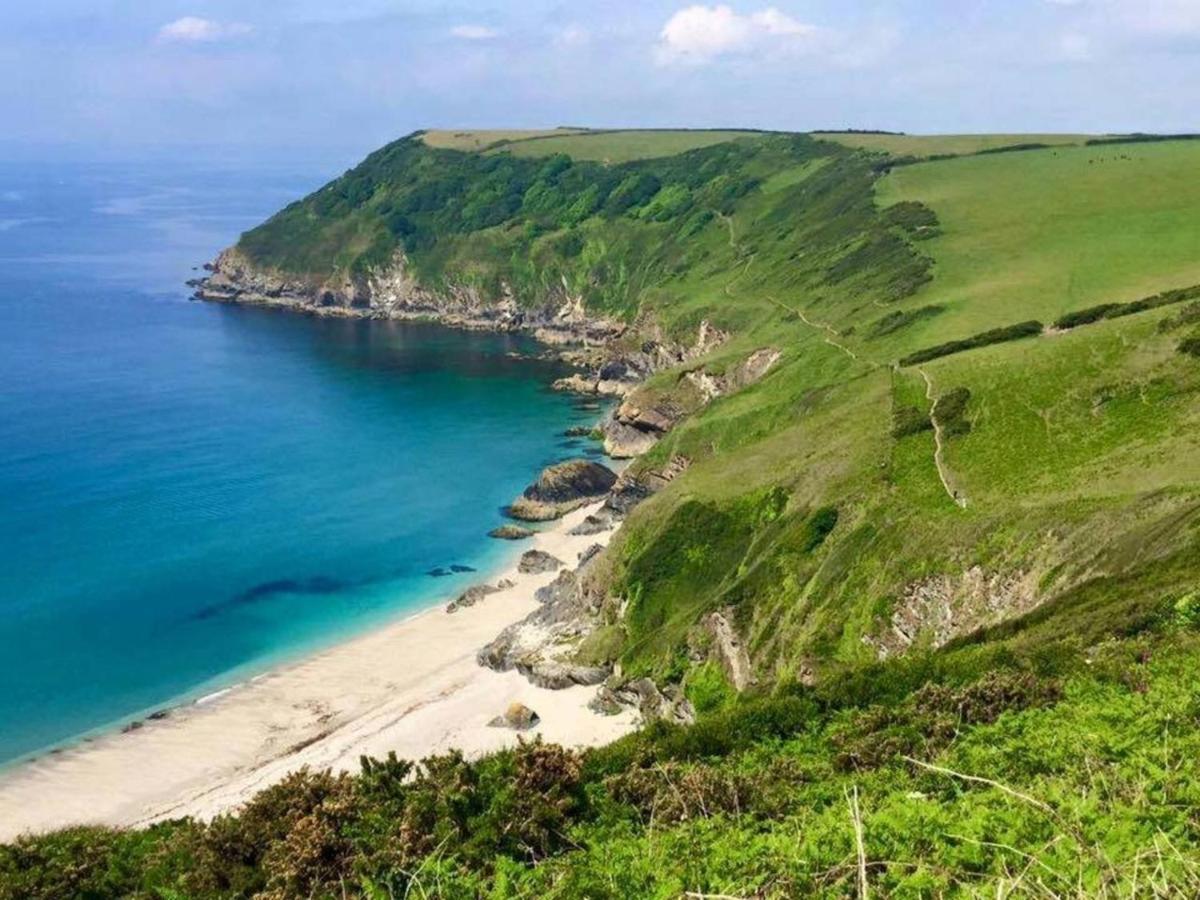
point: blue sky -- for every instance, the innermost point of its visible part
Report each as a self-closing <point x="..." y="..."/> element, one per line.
<point x="339" y="78"/>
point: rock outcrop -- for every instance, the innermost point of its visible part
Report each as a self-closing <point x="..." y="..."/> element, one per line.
<point x="535" y="562"/>
<point x="562" y="488"/>
<point x="728" y="649"/>
<point x="512" y="533"/>
<point x="470" y="597"/>
<point x="392" y="292"/>
<point x="543" y="645"/>
<point x="643" y="695"/>
<point x="940" y="608"/>
<point x="518" y="717"/>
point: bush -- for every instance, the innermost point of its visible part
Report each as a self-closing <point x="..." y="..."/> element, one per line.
<point x="908" y="420"/>
<point x="994" y="336"/>
<point x="894" y="321"/>
<point x="950" y="412"/>
<point x="1190" y="346"/>
<point x="1116" y="310"/>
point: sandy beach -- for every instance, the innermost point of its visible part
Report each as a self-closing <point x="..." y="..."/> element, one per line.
<point x="412" y="686"/>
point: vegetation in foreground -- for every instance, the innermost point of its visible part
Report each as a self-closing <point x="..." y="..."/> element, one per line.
<point x="1009" y="768"/>
<point x="966" y="584"/>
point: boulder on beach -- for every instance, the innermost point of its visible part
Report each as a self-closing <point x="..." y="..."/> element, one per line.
<point x="518" y="716"/>
<point x="511" y="533"/>
<point x="470" y="597"/>
<point x="535" y="562"/>
<point x="561" y="488"/>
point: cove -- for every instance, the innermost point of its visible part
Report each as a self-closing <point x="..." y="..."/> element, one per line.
<point x="191" y="493"/>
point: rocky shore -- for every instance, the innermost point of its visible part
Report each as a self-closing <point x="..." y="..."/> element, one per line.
<point x="560" y="643"/>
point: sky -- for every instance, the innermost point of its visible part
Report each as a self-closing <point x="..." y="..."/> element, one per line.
<point x="336" y="78"/>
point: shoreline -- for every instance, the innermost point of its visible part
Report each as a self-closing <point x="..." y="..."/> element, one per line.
<point x="411" y="685"/>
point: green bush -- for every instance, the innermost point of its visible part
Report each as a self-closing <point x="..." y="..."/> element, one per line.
<point x="994" y="336"/>
<point x="898" y="319"/>
<point x="908" y="420"/>
<point x="950" y="412"/>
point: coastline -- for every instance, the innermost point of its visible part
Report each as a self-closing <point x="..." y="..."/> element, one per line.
<point x="412" y="686"/>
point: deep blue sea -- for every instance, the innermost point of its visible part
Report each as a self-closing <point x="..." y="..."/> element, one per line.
<point x="191" y="492"/>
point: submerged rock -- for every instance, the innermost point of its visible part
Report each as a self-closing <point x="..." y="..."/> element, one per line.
<point x="512" y="533"/>
<point x="561" y="488"/>
<point x="518" y="717"/>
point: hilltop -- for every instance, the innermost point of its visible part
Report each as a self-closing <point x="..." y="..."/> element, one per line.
<point x="914" y="419"/>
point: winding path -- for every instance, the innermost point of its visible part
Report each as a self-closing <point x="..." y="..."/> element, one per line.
<point x="828" y="329"/>
<point x="939" y="446"/>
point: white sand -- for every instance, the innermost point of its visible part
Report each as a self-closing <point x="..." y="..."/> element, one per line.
<point x="412" y="686"/>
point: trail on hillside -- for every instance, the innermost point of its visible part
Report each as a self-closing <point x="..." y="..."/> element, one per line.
<point x="939" y="446"/>
<point x="828" y="330"/>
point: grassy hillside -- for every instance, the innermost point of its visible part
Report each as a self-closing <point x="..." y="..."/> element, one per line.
<point x="958" y="532"/>
<point x="925" y="146"/>
<point x="846" y="507"/>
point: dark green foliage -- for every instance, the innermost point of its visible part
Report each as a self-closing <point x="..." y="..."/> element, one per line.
<point x="1116" y="310"/>
<point x="1012" y="148"/>
<point x="950" y="412"/>
<point x="994" y="336"/>
<point x="1085" y="316"/>
<point x="1189" y="315"/>
<point x="1139" y="138"/>
<point x="908" y="420"/>
<point x="898" y="319"/>
<point x="1190" y="346"/>
<point x="915" y="218"/>
<point x="818" y="527"/>
<point x="933" y="716"/>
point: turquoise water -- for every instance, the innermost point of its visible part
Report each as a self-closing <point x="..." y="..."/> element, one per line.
<point x="189" y="492"/>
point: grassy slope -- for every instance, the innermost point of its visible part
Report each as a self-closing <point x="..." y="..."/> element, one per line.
<point x="924" y="146"/>
<point x="483" y="138"/>
<point x="796" y="244"/>
<point x="806" y="515"/>
<point x="612" y="147"/>
<point x="1034" y="235"/>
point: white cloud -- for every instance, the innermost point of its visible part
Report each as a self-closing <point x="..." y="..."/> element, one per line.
<point x="474" y="32"/>
<point x="699" y="34"/>
<point x="193" y="29"/>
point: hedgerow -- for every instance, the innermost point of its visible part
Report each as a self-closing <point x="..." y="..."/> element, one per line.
<point x="994" y="336"/>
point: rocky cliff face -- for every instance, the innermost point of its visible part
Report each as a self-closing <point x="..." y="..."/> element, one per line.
<point x="393" y="293"/>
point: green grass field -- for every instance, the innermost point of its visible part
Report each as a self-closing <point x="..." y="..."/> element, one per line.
<point x="473" y="140"/>
<point x="923" y="146"/>
<point x="1037" y="234"/>
<point x="613" y="147"/>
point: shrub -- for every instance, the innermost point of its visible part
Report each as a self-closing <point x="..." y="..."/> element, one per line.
<point x="994" y="336"/>
<point x="1190" y="346"/>
<point x="908" y="420"/>
<point x="1116" y="310"/>
<point x="898" y="319"/>
<point x="950" y="412"/>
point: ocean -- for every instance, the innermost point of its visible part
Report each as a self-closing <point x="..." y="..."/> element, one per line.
<point x="191" y="493"/>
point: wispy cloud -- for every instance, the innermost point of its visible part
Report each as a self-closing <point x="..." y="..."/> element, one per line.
<point x="195" y="30"/>
<point x="474" y="32"/>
